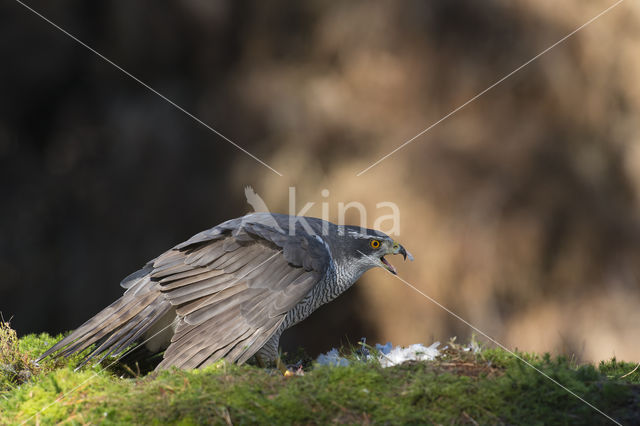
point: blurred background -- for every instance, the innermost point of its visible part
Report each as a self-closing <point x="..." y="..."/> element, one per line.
<point x="522" y="210"/>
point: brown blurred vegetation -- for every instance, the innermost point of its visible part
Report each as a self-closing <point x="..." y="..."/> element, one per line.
<point x="521" y="209"/>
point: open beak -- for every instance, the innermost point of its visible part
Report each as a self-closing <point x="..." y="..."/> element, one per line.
<point x="396" y="249"/>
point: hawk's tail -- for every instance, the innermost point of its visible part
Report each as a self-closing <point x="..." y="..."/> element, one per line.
<point x="114" y="328"/>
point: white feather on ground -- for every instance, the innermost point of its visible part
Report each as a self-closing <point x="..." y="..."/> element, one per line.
<point x="388" y="355"/>
<point x="415" y="352"/>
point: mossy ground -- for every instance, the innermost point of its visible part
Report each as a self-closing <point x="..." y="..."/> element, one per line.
<point x="487" y="387"/>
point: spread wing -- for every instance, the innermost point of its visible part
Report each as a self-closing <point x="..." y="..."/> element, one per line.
<point x="227" y="289"/>
<point x="232" y="289"/>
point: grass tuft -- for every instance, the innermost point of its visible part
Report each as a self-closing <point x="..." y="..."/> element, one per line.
<point x="16" y="365"/>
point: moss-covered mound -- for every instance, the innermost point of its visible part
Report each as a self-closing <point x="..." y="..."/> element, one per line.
<point x="486" y="387"/>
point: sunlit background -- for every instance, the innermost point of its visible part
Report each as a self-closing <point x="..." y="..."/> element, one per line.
<point x="521" y="209"/>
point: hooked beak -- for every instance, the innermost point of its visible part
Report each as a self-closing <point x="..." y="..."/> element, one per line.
<point x="404" y="253"/>
<point x="396" y="249"/>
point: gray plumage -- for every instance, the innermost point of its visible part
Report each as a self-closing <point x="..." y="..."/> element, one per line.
<point x="230" y="291"/>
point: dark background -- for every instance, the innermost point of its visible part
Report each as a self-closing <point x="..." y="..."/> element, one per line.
<point x="522" y="209"/>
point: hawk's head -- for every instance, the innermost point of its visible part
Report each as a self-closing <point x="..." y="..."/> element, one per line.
<point x="370" y="247"/>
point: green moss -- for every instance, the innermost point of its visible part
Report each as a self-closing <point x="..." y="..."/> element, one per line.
<point x="488" y="387"/>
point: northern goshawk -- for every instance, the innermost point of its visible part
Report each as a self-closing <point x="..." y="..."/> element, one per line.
<point x="230" y="291"/>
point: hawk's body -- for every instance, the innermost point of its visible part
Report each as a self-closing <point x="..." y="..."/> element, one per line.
<point x="232" y="290"/>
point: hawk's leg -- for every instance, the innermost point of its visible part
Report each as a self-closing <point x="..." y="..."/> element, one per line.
<point x="279" y="364"/>
<point x="269" y="353"/>
<point x="260" y="361"/>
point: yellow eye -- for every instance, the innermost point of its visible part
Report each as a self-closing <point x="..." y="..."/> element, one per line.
<point x="375" y="244"/>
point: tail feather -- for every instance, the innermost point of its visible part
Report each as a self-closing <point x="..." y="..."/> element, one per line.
<point x="119" y="341"/>
<point x="114" y="328"/>
<point x="79" y="332"/>
<point x="95" y="329"/>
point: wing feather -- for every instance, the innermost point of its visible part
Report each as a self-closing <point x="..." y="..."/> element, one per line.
<point x="215" y="283"/>
<point x="188" y="277"/>
<point x="245" y="285"/>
